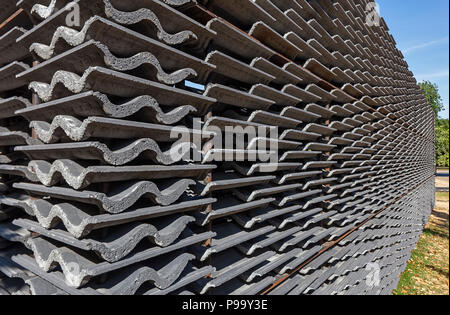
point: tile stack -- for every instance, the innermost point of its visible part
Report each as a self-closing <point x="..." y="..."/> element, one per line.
<point x="126" y="183"/>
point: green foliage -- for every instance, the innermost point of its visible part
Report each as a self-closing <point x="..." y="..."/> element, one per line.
<point x="431" y="92"/>
<point x="442" y="143"/>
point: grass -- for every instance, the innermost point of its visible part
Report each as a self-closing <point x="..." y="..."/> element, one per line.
<point x="442" y="196"/>
<point x="427" y="272"/>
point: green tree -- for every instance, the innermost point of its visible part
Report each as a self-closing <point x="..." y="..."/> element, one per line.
<point x="442" y="142"/>
<point x="431" y="92"/>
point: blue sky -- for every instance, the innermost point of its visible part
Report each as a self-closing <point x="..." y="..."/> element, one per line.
<point x="421" y="30"/>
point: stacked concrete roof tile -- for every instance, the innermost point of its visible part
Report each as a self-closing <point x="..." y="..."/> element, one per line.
<point x="99" y="197"/>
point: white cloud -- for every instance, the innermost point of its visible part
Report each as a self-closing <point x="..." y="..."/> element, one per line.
<point x="426" y="45"/>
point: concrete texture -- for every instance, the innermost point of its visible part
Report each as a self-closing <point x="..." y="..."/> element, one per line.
<point x="121" y="196"/>
<point x="124" y="153"/>
<point x="8" y="80"/>
<point x="11" y="50"/>
<point x="80" y="223"/>
<point x="120" y="243"/>
<point x="47" y="254"/>
<point x="354" y="141"/>
<point x="179" y="66"/>
<point x="11" y="138"/>
<point x="79" y="177"/>
<point x="143" y="108"/>
<point x="10" y="105"/>
<point x="64" y="83"/>
<point x="68" y="128"/>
